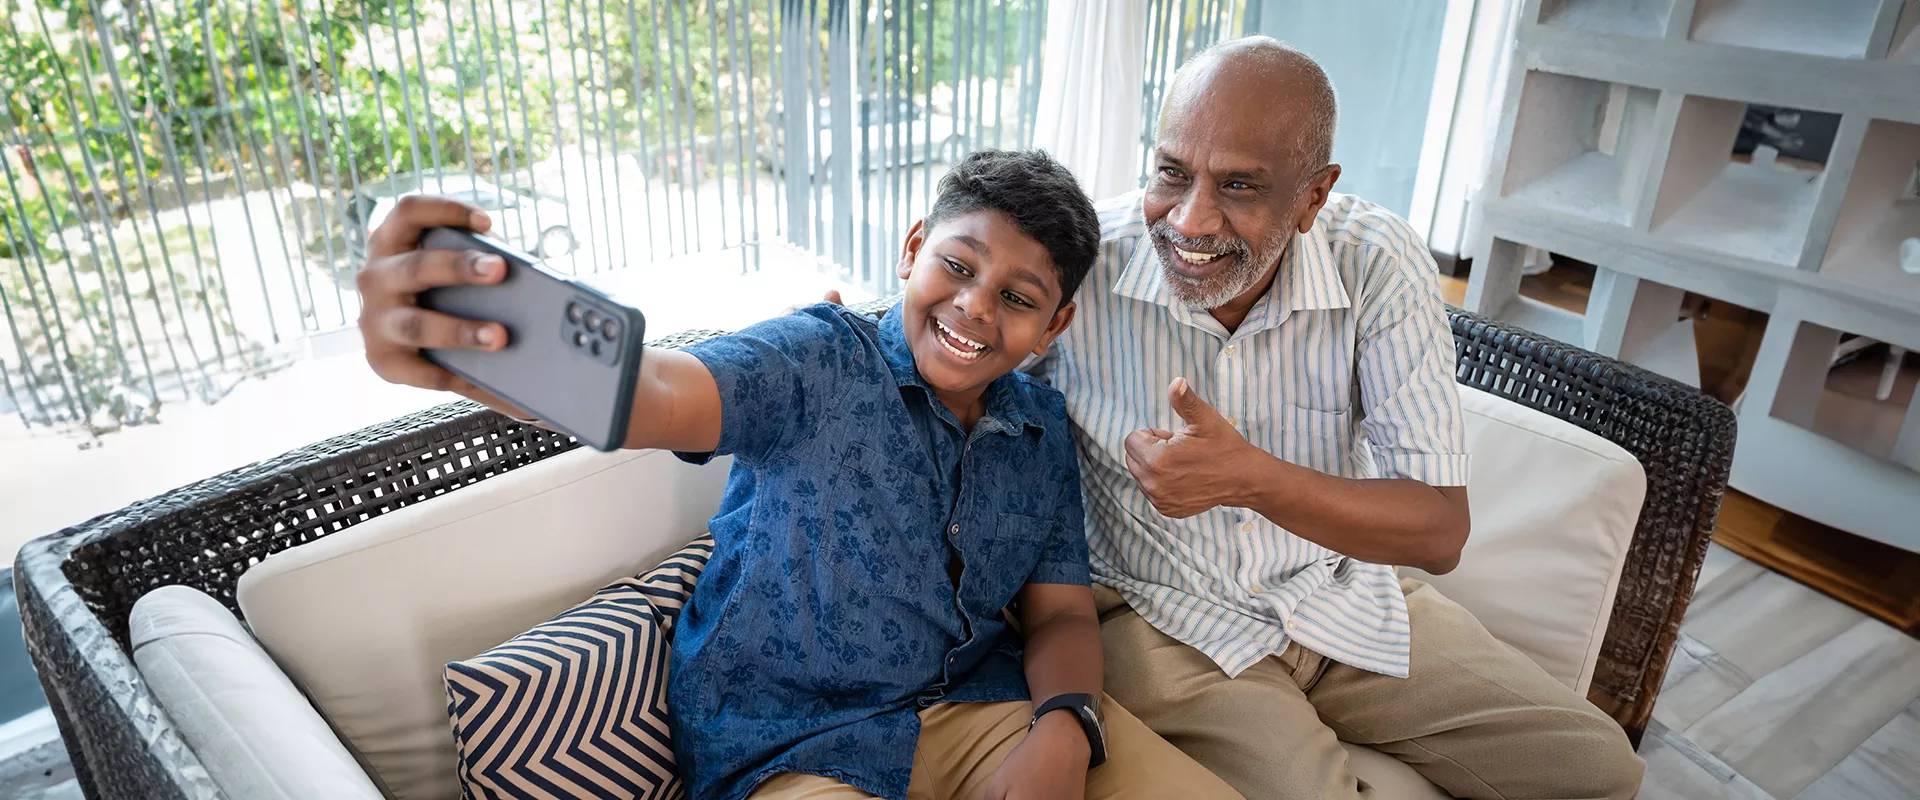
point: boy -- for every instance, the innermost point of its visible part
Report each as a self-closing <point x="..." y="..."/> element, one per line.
<point x="896" y="488"/>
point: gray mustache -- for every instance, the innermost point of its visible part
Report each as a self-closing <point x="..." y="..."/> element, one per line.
<point x="1164" y="232"/>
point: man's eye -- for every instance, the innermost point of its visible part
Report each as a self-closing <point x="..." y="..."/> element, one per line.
<point x="1238" y="185"/>
<point x="1170" y="173"/>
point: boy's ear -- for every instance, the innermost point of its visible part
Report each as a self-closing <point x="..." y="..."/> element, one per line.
<point x="1061" y="319"/>
<point x="916" y="236"/>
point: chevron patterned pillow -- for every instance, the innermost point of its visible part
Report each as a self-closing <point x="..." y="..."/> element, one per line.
<point x="577" y="707"/>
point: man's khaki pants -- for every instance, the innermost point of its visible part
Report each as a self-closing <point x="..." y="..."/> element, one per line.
<point x="1475" y="716"/>
<point x="962" y="744"/>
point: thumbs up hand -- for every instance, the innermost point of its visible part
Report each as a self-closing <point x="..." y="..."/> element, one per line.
<point x="1195" y="468"/>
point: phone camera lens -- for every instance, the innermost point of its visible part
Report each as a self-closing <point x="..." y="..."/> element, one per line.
<point x="573" y="313"/>
<point x="579" y="338"/>
<point x="594" y="348"/>
<point x="593" y="320"/>
<point x="610" y="328"/>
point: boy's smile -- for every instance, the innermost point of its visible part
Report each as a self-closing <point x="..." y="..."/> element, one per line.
<point x="981" y="295"/>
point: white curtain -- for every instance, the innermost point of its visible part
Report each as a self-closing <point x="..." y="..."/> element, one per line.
<point x="1095" y="58"/>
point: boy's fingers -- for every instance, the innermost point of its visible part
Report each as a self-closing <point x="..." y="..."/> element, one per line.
<point x="419" y="270"/>
<point x="833" y="296"/>
<point x="415" y="213"/>
<point x="415" y="327"/>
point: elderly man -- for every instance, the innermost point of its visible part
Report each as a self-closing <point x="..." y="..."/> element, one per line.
<point x="1261" y="380"/>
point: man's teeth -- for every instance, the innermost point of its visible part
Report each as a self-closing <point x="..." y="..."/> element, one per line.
<point x="1195" y="258"/>
<point x="975" y="350"/>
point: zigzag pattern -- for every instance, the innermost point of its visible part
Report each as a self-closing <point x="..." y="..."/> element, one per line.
<point x="577" y="707"/>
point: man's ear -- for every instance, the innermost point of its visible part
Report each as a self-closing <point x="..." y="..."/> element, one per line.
<point x="1316" y="196"/>
<point x="910" y="251"/>
<point x="1061" y="319"/>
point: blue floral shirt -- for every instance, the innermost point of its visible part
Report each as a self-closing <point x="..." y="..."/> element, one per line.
<point x="828" y="616"/>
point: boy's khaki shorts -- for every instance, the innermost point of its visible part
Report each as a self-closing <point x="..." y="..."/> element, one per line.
<point x="962" y="744"/>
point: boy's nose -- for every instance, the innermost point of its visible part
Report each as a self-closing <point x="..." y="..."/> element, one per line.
<point x="976" y="303"/>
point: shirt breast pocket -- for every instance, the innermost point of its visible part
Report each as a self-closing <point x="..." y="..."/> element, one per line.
<point x="1316" y="439"/>
<point x="878" y="525"/>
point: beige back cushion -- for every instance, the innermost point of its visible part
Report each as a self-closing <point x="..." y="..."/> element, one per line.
<point x="1554" y="509"/>
<point x="366" y="619"/>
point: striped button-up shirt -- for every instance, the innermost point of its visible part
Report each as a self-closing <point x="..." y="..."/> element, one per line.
<point x="1345" y="366"/>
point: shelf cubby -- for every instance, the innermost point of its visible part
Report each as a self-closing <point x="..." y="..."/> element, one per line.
<point x="1581" y="146"/>
<point x="1880" y="211"/>
<point x="1712" y="200"/>
<point x="1623" y="17"/>
<point x="1833" y="28"/>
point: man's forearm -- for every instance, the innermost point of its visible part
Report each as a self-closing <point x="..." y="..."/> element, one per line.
<point x="1395" y="521"/>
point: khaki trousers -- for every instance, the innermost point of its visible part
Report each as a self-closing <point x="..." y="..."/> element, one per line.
<point x="962" y="744"/>
<point x="1475" y="716"/>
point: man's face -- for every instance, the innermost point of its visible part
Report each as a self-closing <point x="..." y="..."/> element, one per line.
<point x="1223" y="202"/>
<point x="981" y="295"/>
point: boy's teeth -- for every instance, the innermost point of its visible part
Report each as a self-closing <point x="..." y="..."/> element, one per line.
<point x="958" y="338"/>
<point x="1195" y="258"/>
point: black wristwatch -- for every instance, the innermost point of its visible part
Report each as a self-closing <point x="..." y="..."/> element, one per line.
<point x="1086" y="708"/>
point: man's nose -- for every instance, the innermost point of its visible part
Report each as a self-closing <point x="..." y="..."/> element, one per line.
<point x="1196" y="215"/>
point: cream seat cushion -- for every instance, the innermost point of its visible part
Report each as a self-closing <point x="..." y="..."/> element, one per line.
<point x="365" y="620"/>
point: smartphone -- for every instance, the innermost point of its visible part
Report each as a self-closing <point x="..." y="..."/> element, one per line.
<point x="572" y="353"/>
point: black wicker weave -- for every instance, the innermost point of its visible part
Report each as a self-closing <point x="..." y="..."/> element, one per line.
<point x="77" y="586"/>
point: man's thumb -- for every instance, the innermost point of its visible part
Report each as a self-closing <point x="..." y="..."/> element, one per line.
<point x="1187" y="403"/>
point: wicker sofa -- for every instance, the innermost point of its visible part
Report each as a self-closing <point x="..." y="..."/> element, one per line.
<point x="77" y="586"/>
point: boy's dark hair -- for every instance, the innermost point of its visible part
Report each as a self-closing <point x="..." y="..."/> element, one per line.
<point x="1040" y="195"/>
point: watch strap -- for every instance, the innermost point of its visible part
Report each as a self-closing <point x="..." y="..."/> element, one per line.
<point x="1086" y="709"/>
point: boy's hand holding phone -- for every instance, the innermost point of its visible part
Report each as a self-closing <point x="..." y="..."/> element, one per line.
<point x="393" y="324"/>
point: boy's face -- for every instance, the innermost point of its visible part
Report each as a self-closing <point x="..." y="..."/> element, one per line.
<point x="981" y="295"/>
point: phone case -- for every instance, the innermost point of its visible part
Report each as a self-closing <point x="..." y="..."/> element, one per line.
<point x="572" y="353"/>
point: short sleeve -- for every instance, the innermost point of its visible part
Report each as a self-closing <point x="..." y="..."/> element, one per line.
<point x="1065" y="557"/>
<point x="1405" y="364"/>
<point x="775" y="377"/>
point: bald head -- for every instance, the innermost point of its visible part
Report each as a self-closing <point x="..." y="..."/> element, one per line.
<point x="1264" y="75"/>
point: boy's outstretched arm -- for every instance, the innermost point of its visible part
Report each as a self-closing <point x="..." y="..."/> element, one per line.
<point x="676" y="403"/>
<point x="1062" y="657"/>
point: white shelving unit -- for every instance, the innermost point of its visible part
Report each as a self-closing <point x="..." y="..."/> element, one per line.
<point x="1615" y="147"/>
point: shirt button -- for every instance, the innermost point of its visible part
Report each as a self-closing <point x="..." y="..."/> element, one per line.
<point x="1233" y="421"/>
<point x="1292" y="624"/>
<point x="1246" y="527"/>
<point x="955" y="530"/>
<point x="1256" y="589"/>
<point x="1230" y="349"/>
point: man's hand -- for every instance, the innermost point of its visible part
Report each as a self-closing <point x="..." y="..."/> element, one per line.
<point x="833" y="296"/>
<point x="1050" y="764"/>
<point x="1199" y="467"/>
<point x="393" y="325"/>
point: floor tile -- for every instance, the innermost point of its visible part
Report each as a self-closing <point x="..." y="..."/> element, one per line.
<point x="1766" y="622"/>
<point x="1678" y="769"/>
<point x="1698" y="681"/>
<point x="1884" y="767"/>
<point x="1718" y="560"/>
<point x="1793" y="725"/>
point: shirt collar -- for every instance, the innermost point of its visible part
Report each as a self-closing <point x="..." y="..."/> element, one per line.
<point x="1010" y="405"/>
<point x="1309" y="279"/>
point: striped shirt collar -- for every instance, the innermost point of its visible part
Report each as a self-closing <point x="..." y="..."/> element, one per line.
<point x="1309" y="280"/>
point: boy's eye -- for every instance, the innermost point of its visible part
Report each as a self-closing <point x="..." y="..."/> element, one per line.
<point x="1016" y="299"/>
<point x="955" y="267"/>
